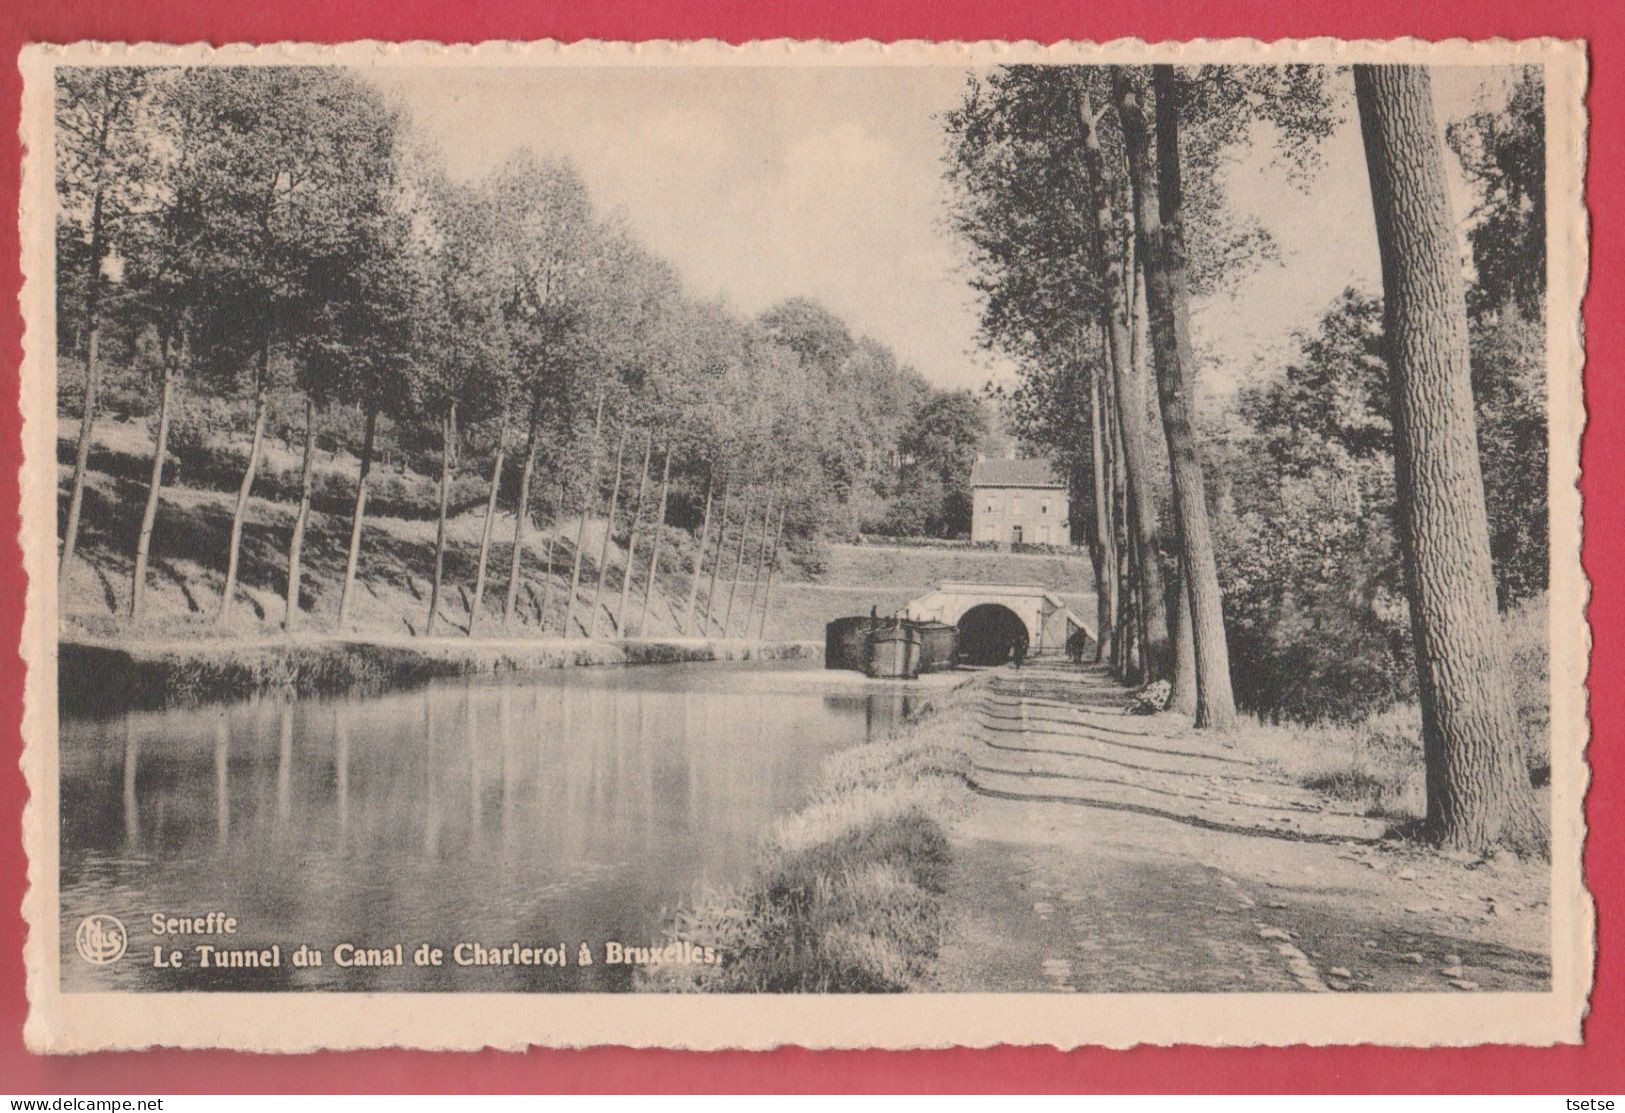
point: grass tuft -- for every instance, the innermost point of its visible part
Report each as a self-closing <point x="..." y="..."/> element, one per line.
<point x="849" y="895"/>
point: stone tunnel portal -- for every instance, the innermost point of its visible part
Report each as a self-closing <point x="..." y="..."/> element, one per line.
<point x="988" y="632"/>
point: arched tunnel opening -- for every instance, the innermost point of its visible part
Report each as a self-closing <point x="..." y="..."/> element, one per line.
<point x="988" y="632"/>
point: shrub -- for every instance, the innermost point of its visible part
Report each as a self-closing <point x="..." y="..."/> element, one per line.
<point x="892" y="540"/>
<point x="1306" y="515"/>
<point x="1377" y="761"/>
<point x="1528" y="648"/>
<point x="1375" y="764"/>
<point x="1316" y="623"/>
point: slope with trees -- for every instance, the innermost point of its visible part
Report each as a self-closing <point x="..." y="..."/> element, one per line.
<point x="273" y="254"/>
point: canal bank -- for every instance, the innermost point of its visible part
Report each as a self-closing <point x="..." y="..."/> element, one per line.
<point x="851" y="891"/>
<point x="106" y="676"/>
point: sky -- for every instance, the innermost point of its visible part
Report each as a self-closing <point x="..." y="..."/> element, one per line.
<point x="762" y="183"/>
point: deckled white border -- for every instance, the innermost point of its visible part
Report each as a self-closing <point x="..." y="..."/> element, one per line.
<point x="303" y="1022"/>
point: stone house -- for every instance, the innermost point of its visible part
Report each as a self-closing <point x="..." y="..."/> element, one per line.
<point x="1018" y="502"/>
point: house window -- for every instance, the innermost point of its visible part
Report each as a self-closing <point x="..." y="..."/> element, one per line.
<point x="1043" y="508"/>
<point x="1015" y="535"/>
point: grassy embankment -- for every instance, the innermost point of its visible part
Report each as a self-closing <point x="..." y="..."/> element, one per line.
<point x="849" y="898"/>
<point x="397" y="557"/>
<point x="1377" y="763"/>
<point x="179" y="651"/>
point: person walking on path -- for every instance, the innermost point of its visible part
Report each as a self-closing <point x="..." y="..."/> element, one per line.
<point x="1076" y="644"/>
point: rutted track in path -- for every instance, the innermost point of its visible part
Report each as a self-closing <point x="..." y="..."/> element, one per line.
<point x="1107" y="852"/>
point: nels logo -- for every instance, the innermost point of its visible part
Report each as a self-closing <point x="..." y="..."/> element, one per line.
<point x="101" y="939"/>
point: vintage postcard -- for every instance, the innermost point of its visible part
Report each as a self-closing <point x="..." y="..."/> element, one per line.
<point x="909" y="545"/>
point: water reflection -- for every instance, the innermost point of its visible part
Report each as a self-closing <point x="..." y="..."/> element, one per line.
<point x="132" y="806"/>
<point x="222" y="784"/>
<point x="549" y="809"/>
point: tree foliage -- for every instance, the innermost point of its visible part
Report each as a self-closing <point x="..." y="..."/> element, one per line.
<point x="288" y="219"/>
<point x="1311" y="568"/>
<point x="1315" y="603"/>
<point x="938" y="448"/>
<point x="1504" y="155"/>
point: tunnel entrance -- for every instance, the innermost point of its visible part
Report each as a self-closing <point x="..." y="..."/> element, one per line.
<point x="987" y="632"/>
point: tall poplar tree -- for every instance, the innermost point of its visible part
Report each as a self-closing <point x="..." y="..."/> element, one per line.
<point x="103" y="164"/>
<point x="1160" y="238"/>
<point x="1478" y="793"/>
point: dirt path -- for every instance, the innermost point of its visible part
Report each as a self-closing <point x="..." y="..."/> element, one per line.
<point x="1107" y="852"/>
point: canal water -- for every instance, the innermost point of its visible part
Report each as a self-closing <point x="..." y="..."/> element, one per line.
<point x="538" y="810"/>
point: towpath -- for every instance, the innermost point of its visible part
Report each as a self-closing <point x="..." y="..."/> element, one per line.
<point x="1109" y="852"/>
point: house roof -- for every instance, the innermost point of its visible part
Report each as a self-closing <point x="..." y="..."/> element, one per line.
<point x="1014" y="473"/>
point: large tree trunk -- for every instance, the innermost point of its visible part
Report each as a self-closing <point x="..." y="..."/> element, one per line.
<point x="234" y="544"/>
<point x="739" y="564"/>
<point x="521" y="515"/>
<point x="716" y="565"/>
<point x="1136" y="665"/>
<point x="1182" y="688"/>
<point x="761" y="555"/>
<point x="1139" y="360"/>
<point x="149" y="514"/>
<point x="1131" y="411"/>
<point x="307" y="473"/>
<point x="1113" y="481"/>
<point x="699" y="560"/>
<point x="660" y="531"/>
<point x="1097" y="567"/>
<point x="485" y="528"/>
<point x="93" y="376"/>
<point x="587" y="497"/>
<point x="632" y="536"/>
<point x="1127" y="591"/>
<point x="1158" y="221"/>
<point x="1122" y="585"/>
<point x="1182" y="685"/>
<point x="359" y="515"/>
<point x="772" y="560"/>
<point x="1478" y="792"/>
<point x="448" y="437"/>
<point x="609" y="527"/>
<point x="1105" y="548"/>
